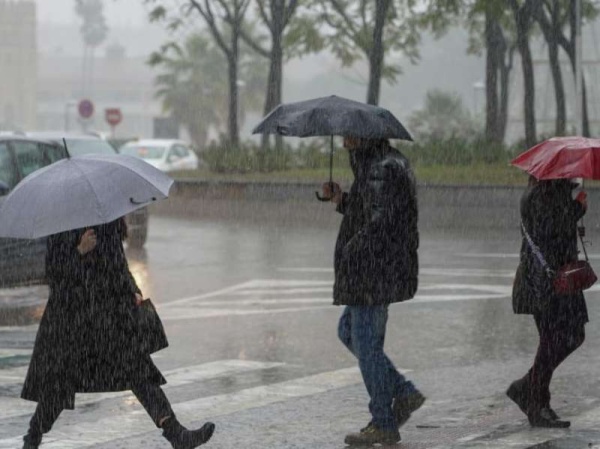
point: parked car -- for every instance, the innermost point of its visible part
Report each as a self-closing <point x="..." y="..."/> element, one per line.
<point x="22" y="260"/>
<point x="81" y="144"/>
<point x="166" y="155"/>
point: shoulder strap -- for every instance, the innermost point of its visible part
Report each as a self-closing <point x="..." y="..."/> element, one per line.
<point x="537" y="252"/>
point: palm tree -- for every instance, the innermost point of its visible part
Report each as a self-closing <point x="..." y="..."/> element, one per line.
<point x="194" y="89"/>
<point x="93" y="31"/>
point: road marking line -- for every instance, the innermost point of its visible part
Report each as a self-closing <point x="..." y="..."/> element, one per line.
<point x="175" y="378"/>
<point x="208" y="295"/>
<point x="175" y="314"/>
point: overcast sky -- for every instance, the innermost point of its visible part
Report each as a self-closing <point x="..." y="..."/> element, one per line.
<point x="118" y="12"/>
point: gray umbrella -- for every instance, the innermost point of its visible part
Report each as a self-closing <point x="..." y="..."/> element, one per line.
<point x="332" y="116"/>
<point x="80" y="192"/>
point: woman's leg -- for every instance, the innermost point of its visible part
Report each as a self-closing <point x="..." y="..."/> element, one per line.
<point x="46" y="414"/>
<point x="154" y="400"/>
<point x="557" y="342"/>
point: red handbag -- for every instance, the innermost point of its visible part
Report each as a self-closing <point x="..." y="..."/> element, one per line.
<point x="574" y="277"/>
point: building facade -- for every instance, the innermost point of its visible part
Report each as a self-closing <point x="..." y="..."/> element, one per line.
<point x="18" y="63"/>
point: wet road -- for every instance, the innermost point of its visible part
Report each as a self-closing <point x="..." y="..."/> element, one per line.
<point x="253" y="347"/>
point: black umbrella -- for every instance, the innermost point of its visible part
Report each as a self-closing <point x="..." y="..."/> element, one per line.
<point x="332" y="116"/>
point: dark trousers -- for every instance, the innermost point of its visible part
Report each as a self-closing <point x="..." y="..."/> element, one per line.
<point x="151" y="396"/>
<point x="559" y="338"/>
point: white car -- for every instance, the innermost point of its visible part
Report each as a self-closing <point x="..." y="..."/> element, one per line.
<point x="166" y="155"/>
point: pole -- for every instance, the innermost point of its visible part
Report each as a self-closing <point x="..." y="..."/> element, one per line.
<point x="578" y="71"/>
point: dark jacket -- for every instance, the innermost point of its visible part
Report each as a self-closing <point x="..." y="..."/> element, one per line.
<point x="376" y="258"/>
<point x="550" y="216"/>
<point x="87" y="339"/>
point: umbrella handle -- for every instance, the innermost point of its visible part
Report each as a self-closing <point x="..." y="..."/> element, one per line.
<point x="322" y="198"/>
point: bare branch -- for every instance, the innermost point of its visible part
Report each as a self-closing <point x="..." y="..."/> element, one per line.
<point x="209" y="18"/>
<point x="262" y="10"/>
<point x="289" y="12"/>
<point x="252" y="43"/>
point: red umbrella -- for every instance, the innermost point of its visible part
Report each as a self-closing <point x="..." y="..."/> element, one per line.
<point x="562" y="157"/>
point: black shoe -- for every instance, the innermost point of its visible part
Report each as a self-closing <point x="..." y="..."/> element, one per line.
<point x="182" y="438"/>
<point x="543" y="418"/>
<point x="518" y="394"/>
<point x="552" y="413"/>
<point x="372" y="435"/>
<point x="31" y="441"/>
<point x="404" y="406"/>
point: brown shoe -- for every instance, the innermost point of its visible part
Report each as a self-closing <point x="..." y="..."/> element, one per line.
<point x="405" y="406"/>
<point x="372" y="435"/>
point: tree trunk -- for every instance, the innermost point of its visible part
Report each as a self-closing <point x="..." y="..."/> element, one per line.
<point x="376" y="54"/>
<point x="551" y="29"/>
<point x="491" y="80"/>
<point x="522" y="22"/>
<point x="559" y="89"/>
<point x="232" y="61"/>
<point x="275" y="80"/>
<point x="505" y="69"/>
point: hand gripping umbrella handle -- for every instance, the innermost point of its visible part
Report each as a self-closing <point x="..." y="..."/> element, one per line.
<point x="322" y="198"/>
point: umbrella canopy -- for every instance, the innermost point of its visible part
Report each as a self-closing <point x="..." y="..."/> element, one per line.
<point x="80" y="192"/>
<point x="562" y="157"/>
<point x="332" y="116"/>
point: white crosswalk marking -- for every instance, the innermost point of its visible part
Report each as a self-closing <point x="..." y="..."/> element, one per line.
<point x="175" y="378"/>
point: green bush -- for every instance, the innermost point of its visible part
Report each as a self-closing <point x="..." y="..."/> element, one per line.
<point x="249" y="157"/>
<point x="456" y="151"/>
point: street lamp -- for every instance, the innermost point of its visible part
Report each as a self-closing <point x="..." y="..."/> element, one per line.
<point x="578" y="71"/>
<point x="69" y="104"/>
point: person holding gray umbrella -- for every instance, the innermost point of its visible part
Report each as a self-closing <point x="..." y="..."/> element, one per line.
<point x="89" y="338"/>
<point x="376" y="260"/>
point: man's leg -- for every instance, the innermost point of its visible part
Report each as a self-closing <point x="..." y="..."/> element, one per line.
<point x="345" y="329"/>
<point x="368" y="324"/>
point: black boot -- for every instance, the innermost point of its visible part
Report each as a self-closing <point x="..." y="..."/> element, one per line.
<point x="32" y="440"/>
<point x="182" y="438"/>
<point x="543" y="418"/>
<point x="519" y="394"/>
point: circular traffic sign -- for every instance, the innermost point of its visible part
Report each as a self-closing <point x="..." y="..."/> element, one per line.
<point x="86" y="108"/>
<point x="113" y="116"/>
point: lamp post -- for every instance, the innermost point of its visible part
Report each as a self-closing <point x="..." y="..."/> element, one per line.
<point x="578" y="71"/>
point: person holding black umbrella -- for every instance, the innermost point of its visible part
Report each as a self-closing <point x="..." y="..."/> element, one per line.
<point x="89" y="340"/>
<point x="376" y="264"/>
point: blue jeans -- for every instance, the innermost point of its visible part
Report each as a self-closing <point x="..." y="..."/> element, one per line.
<point x="362" y="330"/>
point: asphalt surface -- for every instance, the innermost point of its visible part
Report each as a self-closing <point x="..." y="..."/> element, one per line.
<point x="253" y="346"/>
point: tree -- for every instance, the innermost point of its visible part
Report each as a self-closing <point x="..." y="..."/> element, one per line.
<point x="523" y="18"/>
<point x="553" y="17"/>
<point x="289" y="34"/>
<point x="225" y="19"/>
<point x="443" y="116"/>
<point x="193" y="89"/>
<point x="93" y="31"/>
<point x="370" y="29"/>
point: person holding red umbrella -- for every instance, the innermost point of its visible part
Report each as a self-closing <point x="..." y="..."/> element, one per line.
<point x="549" y="217"/>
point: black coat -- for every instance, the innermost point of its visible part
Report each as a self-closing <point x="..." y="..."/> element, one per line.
<point x="376" y="258"/>
<point x="87" y="340"/>
<point x="550" y="216"/>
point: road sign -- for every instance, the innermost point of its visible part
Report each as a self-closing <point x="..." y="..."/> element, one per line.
<point x="86" y="109"/>
<point x="113" y="116"/>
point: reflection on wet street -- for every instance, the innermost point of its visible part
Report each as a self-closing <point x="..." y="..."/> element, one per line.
<point x="253" y="344"/>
